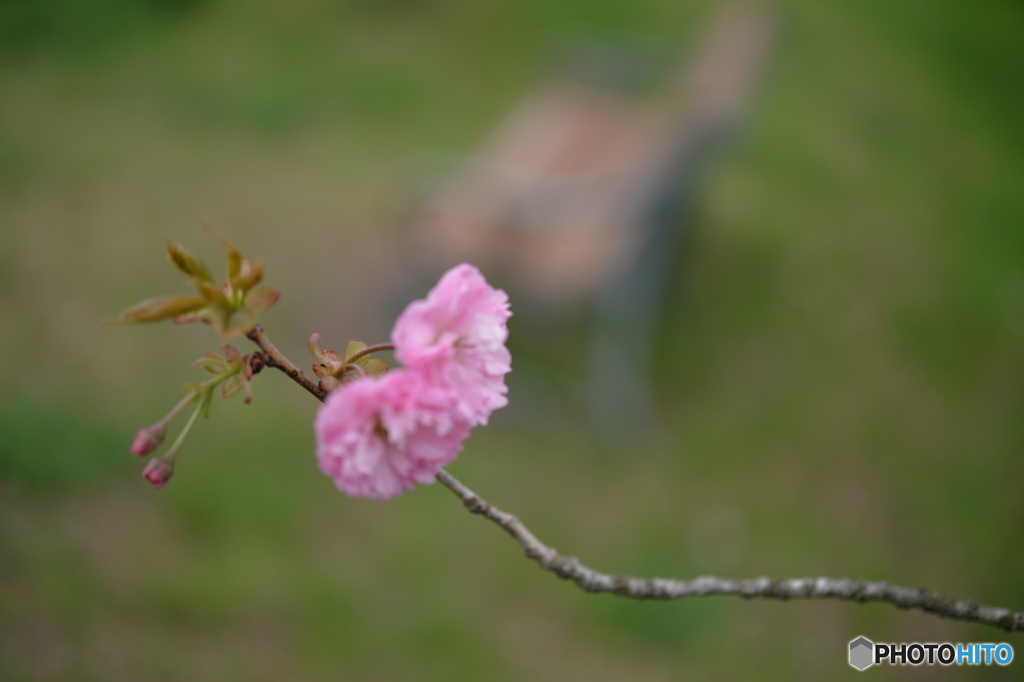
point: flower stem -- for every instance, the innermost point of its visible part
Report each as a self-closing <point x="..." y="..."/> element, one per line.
<point x="173" y="451"/>
<point x="371" y="349"/>
<point x="209" y="385"/>
<point x="176" y="409"/>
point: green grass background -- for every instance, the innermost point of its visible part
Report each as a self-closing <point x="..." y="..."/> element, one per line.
<point x="840" y="362"/>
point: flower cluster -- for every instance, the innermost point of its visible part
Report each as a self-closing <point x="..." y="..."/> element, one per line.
<point x="378" y="437"/>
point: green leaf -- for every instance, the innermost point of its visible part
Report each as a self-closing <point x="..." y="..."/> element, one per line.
<point x="162" y="308"/>
<point x="211" y="292"/>
<point x="262" y="299"/>
<point x="187" y="263"/>
<point x="232" y="386"/>
<point x="353" y="348"/>
<point x="201" y="315"/>
<point x="212" y="363"/>
<point x="333" y="361"/>
<point x="231" y="354"/>
<point x="314" y="347"/>
<point x="375" y="367"/>
<point x="234" y="258"/>
<point x="249" y="276"/>
<point x="237" y="322"/>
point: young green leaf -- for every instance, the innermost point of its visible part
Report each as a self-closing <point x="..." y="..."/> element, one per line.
<point x="187" y="263"/>
<point x="262" y="299"/>
<point x="161" y="308"/>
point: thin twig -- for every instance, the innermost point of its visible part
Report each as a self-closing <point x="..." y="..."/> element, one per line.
<point x="274" y="358"/>
<point x="590" y="580"/>
<point x="623" y="585"/>
<point x="370" y="349"/>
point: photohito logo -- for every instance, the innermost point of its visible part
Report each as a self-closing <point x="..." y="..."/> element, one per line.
<point x="864" y="653"/>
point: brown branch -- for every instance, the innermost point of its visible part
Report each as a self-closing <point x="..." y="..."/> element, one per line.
<point x="590" y="580"/>
<point x="274" y="358"/>
<point x="860" y="591"/>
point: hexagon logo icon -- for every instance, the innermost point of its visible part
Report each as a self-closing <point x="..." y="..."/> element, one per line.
<point x="862" y="653"/>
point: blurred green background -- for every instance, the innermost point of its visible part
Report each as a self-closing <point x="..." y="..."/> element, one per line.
<point x="841" y="360"/>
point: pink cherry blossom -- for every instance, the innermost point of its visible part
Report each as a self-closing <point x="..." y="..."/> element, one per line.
<point x="379" y="437"/>
<point x="455" y="339"/>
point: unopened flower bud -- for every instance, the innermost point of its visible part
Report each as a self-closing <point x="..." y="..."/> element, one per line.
<point x="158" y="471"/>
<point x="146" y="440"/>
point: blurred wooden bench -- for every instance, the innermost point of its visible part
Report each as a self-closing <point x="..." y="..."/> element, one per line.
<point x="578" y="199"/>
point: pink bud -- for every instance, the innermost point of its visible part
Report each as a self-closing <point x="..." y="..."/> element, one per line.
<point x="158" y="471"/>
<point x="147" y="439"/>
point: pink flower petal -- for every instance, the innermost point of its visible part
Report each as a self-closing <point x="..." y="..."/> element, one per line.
<point x="379" y="437"/>
<point x="455" y="339"/>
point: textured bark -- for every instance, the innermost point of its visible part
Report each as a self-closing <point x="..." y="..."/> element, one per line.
<point x="273" y="358"/>
<point x="590" y="580"/>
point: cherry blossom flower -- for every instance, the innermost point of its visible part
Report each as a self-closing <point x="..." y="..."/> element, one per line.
<point x="379" y="437"/>
<point x="455" y="339"/>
